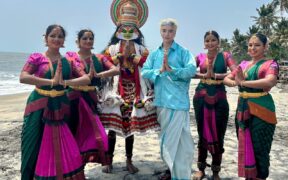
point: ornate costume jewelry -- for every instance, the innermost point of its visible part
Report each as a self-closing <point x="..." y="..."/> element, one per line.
<point x="129" y="12"/>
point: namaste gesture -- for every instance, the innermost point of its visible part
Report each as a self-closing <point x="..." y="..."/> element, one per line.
<point x="165" y="65"/>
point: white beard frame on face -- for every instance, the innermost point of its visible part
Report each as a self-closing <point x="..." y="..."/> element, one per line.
<point x="122" y="36"/>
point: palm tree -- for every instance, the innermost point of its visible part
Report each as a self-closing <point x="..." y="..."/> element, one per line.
<point x="266" y="18"/>
<point x="239" y="46"/>
<point x="225" y="45"/>
<point x="279" y="40"/>
<point x="280" y="34"/>
<point x="283" y="5"/>
<point x="252" y="30"/>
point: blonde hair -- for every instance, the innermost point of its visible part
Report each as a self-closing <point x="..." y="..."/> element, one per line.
<point x="169" y="22"/>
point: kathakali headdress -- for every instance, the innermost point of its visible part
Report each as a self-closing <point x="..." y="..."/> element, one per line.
<point x="129" y="15"/>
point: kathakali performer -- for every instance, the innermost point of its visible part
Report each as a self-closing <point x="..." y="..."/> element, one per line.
<point x="127" y="108"/>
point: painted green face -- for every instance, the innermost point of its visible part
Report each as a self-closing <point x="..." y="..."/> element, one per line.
<point x="127" y="33"/>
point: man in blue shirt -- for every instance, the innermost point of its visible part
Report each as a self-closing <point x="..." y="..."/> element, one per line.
<point x="170" y="67"/>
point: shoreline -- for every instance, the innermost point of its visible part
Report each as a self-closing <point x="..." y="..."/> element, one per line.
<point x="16" y="94"/>
<point x="28" y="91"/>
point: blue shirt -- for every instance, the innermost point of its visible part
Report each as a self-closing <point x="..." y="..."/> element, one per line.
<point x="171" y="88"/>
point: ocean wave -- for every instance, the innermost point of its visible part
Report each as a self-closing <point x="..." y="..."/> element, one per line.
<point x="14" y="87"/>
<point x="8" y="76"/>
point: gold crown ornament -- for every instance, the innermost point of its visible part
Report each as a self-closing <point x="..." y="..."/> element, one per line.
<point x="129" y="12"/>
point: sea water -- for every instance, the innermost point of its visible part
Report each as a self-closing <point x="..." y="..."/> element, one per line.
<point x="11" y="65"/>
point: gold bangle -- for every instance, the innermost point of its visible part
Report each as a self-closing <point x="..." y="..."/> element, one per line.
<point x="52" y="83"/>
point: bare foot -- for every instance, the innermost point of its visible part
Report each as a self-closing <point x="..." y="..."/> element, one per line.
<point x="165" y="176"/>
<point x="107" y="169"/>
<point x="199" y="175"/>
<point x="216" y="176"/>
<point x="131" y="168"/>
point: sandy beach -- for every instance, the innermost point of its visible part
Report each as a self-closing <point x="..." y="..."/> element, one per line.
<point x="146" y="148"/>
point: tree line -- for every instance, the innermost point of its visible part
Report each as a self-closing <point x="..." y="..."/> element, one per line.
<point x="270" y="21"/>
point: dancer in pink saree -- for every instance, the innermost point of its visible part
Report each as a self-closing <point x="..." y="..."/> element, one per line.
<point x="210" y="103"/>
<point x="255" y="117"/>
<point x="49" y="150"/>
<point x="85" y="123"/>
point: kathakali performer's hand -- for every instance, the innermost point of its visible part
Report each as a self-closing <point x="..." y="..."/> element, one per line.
<point x="126" y="49"/>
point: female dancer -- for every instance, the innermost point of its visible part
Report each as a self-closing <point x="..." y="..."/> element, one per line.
<point x="255" y="116"/>
<point x="210" y="103"/>
<point x="85" y="124"/>
<point x="49" y="150"/>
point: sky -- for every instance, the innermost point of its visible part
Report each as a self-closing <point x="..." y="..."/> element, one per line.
<point x="23" y="22"/>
